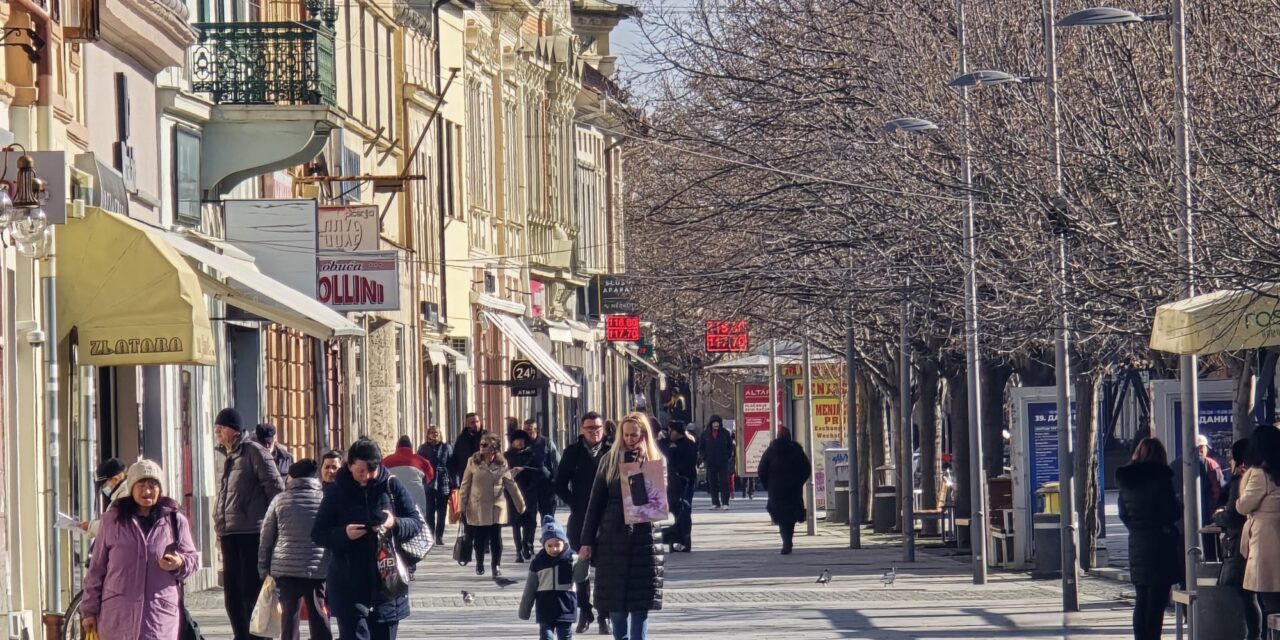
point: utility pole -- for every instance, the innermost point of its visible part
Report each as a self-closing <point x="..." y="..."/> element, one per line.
<point x="855" y="502"/>
<point x="811" y="518"/>
<point x="907" y="475"/>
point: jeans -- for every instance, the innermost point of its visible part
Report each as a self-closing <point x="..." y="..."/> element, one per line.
<point x="682" y="509"/>
<point x="557" y="631"/>
<point x="293" y="592"/>
<point x="491" y="537"/>
<point x="360" y="628"/>
<point x="524" y="529"/>
<point x="718" y="485"/>
<point x="240" y="580"/>
<point x="437" y="514"/>
<point x="1148" y="610"/>
<point x="638" y="628"/>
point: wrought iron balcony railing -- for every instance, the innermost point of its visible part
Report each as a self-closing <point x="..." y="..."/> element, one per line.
<point x="286" y="63"/>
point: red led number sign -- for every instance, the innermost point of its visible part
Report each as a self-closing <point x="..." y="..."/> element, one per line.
<point x="622" y="328"/>
<point x="727" y="336"/>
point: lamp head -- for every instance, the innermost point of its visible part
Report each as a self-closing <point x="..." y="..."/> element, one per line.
<point x="1102" y="16"/>
<point x="909" y="125"/>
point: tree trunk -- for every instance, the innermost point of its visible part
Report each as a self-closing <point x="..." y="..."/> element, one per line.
<point x="1086" y="469"/>
<point x="1242" y="404"/>
<point x="959" y="410"/>
<point x="870" y="420"/>
<point x="876" y="433"/>
<point x="927" y="406"/>
<point x="994" y="378"/>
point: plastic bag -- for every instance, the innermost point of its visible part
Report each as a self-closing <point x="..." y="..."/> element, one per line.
<point x="266" y="614"/>
<point x="393" y="573"/>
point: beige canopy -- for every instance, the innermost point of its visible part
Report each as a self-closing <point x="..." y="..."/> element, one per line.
<point x="1219" y="321"/>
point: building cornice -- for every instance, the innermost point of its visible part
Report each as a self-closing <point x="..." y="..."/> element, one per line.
<point x="153" y="32"/>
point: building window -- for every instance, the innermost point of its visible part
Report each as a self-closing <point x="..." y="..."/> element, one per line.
<point x="186" y="177"/>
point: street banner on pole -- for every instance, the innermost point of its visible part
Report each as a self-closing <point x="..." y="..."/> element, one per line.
<point x="757" y="431"/>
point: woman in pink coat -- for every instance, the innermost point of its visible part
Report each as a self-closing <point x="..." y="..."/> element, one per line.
<point x="142" y="555"/>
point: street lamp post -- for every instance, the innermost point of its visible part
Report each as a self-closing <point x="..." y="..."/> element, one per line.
<point x="1188" y="364"/>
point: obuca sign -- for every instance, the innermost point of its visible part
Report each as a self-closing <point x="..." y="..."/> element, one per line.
<point x="359" y="280"/>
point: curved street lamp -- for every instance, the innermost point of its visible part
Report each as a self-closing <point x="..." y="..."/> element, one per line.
<point x="909" y="125"/>
<point x="990" y="78"/>
<point x="1101" y="16"/>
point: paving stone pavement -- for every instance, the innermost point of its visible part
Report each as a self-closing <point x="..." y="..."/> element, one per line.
<point x="735" y="583"/>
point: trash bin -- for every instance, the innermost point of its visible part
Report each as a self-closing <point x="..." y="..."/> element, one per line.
<point x="884" y="509"/>
<point x="1046" y="536"/>
<point x="1219" y="613"/>
<point x="1048" y="498"/>
<point x="838" y="512"/>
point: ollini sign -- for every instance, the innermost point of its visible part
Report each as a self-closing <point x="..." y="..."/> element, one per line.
<point x="622" y="328"/>
<point x="727" y="336"/>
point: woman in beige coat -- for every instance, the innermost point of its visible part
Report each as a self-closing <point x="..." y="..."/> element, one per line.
<point x="1260" y="501"/>
<point x="485" y="486"/>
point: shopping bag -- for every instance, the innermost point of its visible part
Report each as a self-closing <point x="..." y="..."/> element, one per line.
<point x="455" y="507"/>
<point x="644" y="492"/>
<point x="266" y="614"/>
<point x="462" y="547"/>
<point x="393" y="573"/>
<point x="91" y="635"/>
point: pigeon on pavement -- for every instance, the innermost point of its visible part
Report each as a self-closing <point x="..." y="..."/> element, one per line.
<point x="468" y="597"/>
<point x="889" y="576"/>
<point x="504" y="582"/>
<point x="824" y="578"/>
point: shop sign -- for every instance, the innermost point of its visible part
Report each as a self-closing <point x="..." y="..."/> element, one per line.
<point x="727" y="336"/>
<point x="822" y="388"/>
<point x="792" y="371"/>
<point x="352" y="228"/>
<point x="525" y="379"/>
<point x="615" y="296"/>
<point x="367" y="281"/>
<point x="622" y="328"/>
<point x="757" y="430"/>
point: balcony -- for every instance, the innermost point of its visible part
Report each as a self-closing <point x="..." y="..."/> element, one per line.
<point x="256" y="63"/>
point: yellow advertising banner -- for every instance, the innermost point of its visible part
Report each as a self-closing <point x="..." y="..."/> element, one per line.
<point x="822" y="388"/>
<point x="829" y="423"/>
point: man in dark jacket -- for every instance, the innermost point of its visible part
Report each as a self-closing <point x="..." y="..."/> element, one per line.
<point x="265" y="434"/>
<point x="440" y="454"/>
<point x="288" y="555"/>
<point x="682" y="473"/>
<point x="356" y="508"/>
<point x="466" y="444"/>
<point x="716" y="452"/>
<point x="249" y="481"/>
<point x="784" y="470"/>
<point x="574" y="479"/>
<point x="546" y="457"/>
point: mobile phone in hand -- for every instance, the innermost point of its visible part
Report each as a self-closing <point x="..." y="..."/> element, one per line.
<point x="639" y="491"/>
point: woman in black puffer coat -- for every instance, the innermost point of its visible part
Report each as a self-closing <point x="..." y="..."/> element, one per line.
<point x="629" y="558"/>
<point x="784" y="469"/>
<point x="1151" y="511"/>
<point x="364" y="493"/>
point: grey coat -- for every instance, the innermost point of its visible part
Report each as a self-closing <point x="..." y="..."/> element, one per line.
<point x="286" y="550"/>
<point x="248" y="482"/>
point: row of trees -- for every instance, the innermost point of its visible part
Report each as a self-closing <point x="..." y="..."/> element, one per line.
<point x="766" y="188"/>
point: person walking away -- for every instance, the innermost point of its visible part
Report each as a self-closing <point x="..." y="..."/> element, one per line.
<point x="549" y="588"/>
<point x="1232" y="524"/>
<point x="467" y="444"/>
<point x="413" y="471"/>
<point x="629" y="557"/>
<point x="1150" y="510"/>
<point x="530" y="479"/>
<point x="1259" y="501"/>
<point x="484" y="505"/>
<point x="440" y="454"/>
<point x="546" y="457"/>
<point x="364" y="503"/>
<point x="682" y="472"/>
<point x="574" y="479"/>
<point x="289" y="556"/>
<point x="249" y="481"/>
<point x="783" y="471"/>
<point x="109" y="479"/>
<point x="144" y="552"/>
<point x="265" y="434"/>
<point x="330" y="463"/>
<point x="716" y="454"/>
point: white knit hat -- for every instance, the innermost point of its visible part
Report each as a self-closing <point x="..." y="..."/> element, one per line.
<point x="141" y="470"/>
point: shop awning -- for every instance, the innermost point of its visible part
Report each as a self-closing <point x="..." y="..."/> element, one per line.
<point x="638" y="359"/>
<point x="559" y="332"/>
<point x="132" y="299"/>
<point x="440" y="354"/>
<point x="247" y="288"/>
<point x="1219" y="321"/>
<point x="558" y="380"/>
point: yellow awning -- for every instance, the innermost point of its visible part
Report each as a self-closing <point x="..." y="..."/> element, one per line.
<point x="1219" y="321"/>
<point x="132" y="299"/>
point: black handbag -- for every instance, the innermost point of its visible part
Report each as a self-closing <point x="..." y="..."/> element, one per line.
<point x="417" y="547"/>
<point x="1232" y="572"/>
<point x="462" y="546"/>
<point x="188" y="628"/>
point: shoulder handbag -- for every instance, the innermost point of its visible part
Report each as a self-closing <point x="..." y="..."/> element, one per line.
<point x="417" y="547"/>
<point x="462" y="546"/>
<point x="188" y="629"/>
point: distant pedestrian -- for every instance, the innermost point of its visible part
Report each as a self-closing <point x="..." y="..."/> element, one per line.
<point x="330" y="463"/>
<point x="1150" y="510"/>
<point x="413" y="471"/>
<point x="486" y="484"/>
<point x="716" y="453"/>
<point x="531" y="479"/>
<point x="1233" y="564"/>
<point x="249" y="481"/>
<point x="574" y="479"/>
<point x="682" y="474"/>
<point x="549" y="588"/>
<point x="143" y="553"/>
<point x="467" y="444"/>
<point x="547" y="457"/>
<point x="289" y="556"/>
<point x="784" y="469"/>
<point x="109" y="479"/>
<point x="1211" y="484"/>
<point x="629" y="557"/>
<point x="440" y="454"/>
<point x="363" y="503"/>
<point x="265" y="434"/>
<point x="1259" y="501"/>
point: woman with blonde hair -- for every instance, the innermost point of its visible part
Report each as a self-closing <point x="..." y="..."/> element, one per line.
<point x="628" y="557"/>
<point x="486" y="485"/>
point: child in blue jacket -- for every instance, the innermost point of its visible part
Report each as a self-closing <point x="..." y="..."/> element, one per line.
<point x="550" y="589"/>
